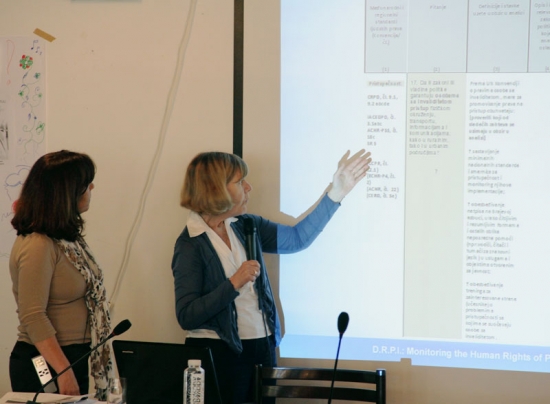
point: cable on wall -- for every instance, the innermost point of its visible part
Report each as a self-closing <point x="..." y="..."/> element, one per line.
<point x="238" y="73"/>
<point x="156" y="158"/>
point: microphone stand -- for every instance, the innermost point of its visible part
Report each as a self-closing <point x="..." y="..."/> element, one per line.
<point x="334" y="372"/>
<point x="119" y="329"/>
<point x="41" y="390"/>
<point x="343" y="321"/>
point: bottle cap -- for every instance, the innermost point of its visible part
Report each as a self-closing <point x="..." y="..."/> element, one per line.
<point x="194" y="362"/>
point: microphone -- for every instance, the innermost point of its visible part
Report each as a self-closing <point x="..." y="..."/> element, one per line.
<point x="343" y="321"/>
<point x="124" y="326"/>
<point x="121" y="328"/>
<point x="250" y="238"/>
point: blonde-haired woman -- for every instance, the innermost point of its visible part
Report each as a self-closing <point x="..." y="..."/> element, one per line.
<point x="223" y="300"/>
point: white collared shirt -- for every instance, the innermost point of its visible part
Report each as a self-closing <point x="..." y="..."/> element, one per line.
<point x="250" y="319"/>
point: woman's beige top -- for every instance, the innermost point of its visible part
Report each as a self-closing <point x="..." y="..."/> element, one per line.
<point x="49" y="292"/>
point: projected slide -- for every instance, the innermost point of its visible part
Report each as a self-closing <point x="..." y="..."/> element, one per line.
<point x="442" y="254"/>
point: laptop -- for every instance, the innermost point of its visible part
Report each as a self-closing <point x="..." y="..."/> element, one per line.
<point x="154" y="371"/>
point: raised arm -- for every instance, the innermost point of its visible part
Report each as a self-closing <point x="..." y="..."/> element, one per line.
<point x="351" y="170"/>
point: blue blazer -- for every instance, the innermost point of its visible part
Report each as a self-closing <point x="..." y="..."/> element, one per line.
<point x="205" y="296"/>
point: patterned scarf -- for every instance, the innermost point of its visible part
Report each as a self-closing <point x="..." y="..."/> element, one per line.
<point x="80" y="255"/>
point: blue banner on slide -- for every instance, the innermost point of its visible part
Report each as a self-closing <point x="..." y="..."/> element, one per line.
<point x="421" y="353"/>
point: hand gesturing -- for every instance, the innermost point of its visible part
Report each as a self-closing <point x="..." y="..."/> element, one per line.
<point x="350" y="171"/>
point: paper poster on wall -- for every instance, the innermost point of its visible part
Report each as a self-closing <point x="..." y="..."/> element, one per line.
<point x="22" y="122"/>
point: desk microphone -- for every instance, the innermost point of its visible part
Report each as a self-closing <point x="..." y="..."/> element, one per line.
<point x="121" y="328"/>
<point x="343" y="321"/>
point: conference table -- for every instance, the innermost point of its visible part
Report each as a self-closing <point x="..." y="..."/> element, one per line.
<point x="12" y="397"/>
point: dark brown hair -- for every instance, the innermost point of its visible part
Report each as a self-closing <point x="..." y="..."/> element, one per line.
<point x="48" y="203"/>
<point x="205" y="184"/>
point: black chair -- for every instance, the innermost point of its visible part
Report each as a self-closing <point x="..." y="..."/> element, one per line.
<point x="300" y="385"/>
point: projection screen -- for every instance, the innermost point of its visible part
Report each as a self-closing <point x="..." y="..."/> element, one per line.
<point x="441" y="254"/>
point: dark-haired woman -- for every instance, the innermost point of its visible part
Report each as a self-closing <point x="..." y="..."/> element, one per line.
<point x="223" y="300"/>
<point x="57" y="283"/>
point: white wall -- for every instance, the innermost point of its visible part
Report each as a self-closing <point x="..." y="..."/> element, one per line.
<point x="108" y="75"/>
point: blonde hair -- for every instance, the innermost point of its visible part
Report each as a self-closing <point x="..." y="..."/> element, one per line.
<point x="205" y="184"/>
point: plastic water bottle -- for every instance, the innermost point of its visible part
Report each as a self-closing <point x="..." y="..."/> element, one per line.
<point x="193" y="383"/>
<point x="116" y="395"/>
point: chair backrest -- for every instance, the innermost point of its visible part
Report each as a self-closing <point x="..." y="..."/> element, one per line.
<point x="362" y="385"/>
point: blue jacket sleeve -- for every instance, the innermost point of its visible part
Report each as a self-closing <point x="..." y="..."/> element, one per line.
<point x="295" y="238"/>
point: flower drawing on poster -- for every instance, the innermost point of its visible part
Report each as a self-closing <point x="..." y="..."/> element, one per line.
<point x="22" y="122"/>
